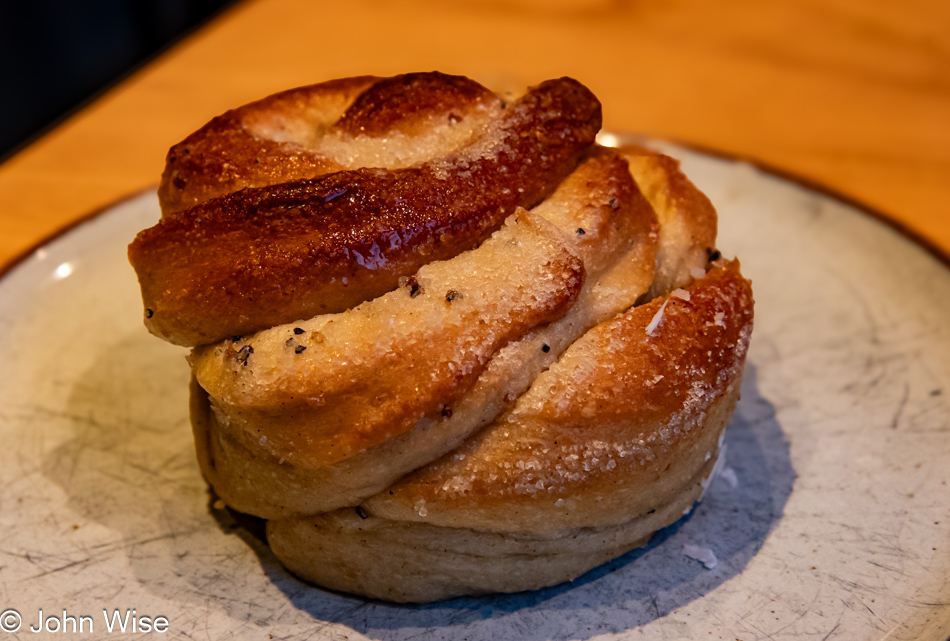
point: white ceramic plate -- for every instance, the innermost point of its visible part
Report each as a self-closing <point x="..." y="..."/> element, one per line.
<point x="832" y="520"/>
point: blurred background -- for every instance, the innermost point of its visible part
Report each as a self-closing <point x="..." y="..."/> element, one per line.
<point x="853" y="95"/>
<point x="56" y="55"/>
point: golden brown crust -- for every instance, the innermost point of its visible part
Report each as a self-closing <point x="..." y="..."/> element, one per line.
<point x="609" y="432"/>
<point x="271" y="255"/>
<point x="352" y="551"/>
<point x="412" y="104"/>
<point x="248" y="146"/>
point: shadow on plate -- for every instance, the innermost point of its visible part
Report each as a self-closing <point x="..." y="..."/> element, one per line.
<point x="131" y="467"/>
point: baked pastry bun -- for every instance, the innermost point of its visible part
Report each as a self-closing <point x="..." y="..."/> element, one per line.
<point x="444" y="342"/>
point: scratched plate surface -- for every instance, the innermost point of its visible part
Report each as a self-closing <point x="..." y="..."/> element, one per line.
<point x="831" y="521"/>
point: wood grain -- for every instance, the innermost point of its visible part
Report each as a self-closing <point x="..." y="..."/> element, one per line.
<point x="852" y="94"/>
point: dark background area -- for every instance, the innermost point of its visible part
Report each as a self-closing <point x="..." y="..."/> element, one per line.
<point x="56" y="55"/>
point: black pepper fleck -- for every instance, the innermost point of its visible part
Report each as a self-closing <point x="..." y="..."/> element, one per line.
<point x="545" y="348"/>
<point x="299" y="349"/>
<point x="298" y="331"/>
<point x="243" y="353"/>
<point x="580" y="231"/>
<point x="149" y="313"/>
<point x="446" y="412"/>
<point x="614" y="203"/>
<point x="452" y="295"/>
<point x="361" y="512"/>
<point x="414" y="287"/>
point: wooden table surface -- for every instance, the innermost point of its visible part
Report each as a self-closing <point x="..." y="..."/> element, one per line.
<point x="851" y="94"/>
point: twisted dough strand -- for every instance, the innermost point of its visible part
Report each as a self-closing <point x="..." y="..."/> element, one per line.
<point x="338" y="450"/>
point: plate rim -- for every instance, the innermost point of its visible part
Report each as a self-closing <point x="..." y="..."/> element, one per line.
<point x="942" y="255"/>
<point x="64" y="229"/>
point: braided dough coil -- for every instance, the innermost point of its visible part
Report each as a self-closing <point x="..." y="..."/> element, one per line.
<point x="460" y="348"/>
